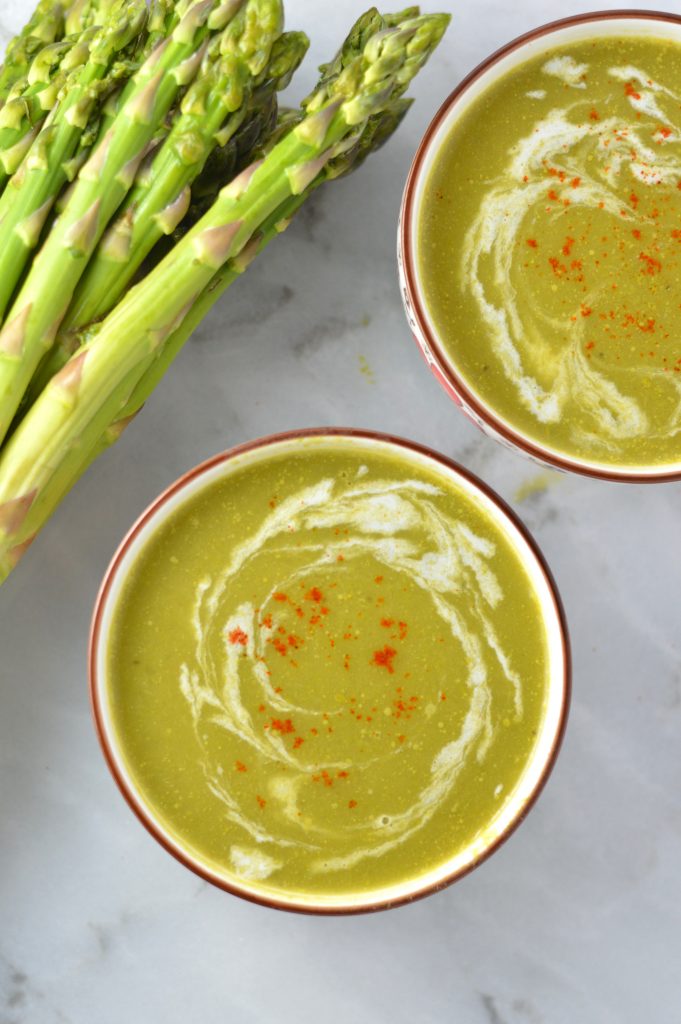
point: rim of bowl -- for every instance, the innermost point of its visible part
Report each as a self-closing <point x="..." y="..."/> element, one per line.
<point x="97" y="687"/>
<point x="442" y="367"/>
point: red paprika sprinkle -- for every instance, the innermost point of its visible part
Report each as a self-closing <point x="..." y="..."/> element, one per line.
<point x="285" y="726"/>
<point x="352" y="804"/>
<point x="652" y="266"/>
<point x="532" y="242"/>
<point x="237" y="636"/>
<point x="384" y="658"/>
<point x="240" y="766"/>
<point x="261" y="803"/>
<point x="314" y="595"/>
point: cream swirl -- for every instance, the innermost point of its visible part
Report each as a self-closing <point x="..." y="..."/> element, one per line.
<point x="541" y="354"/>
<point x="327" y="529"/>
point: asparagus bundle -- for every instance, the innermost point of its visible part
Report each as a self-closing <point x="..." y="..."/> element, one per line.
<point x="213" y="111"/>
<point x="77" y="411"/>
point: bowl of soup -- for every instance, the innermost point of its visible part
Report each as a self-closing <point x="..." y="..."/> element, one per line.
<point x="540" y="245"/>
<point x="329" y="671"/>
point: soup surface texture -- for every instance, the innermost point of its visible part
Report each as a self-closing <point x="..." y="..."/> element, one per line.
<point x="550" y="249"/>
<point x="327" y="671"/>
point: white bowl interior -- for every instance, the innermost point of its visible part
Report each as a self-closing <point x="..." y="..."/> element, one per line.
<point x="608" y="27"/>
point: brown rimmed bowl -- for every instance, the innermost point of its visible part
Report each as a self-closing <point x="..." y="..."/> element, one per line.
<point x="566" y="30"/>
<point x="548" y="743"/>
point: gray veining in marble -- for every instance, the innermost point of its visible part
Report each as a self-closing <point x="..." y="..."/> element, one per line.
<point x="576" y="920"/>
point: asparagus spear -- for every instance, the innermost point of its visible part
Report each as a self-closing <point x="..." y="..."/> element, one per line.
<point x="45" y="26"/>
<point x="31" y="99"/>
<point x="29" y="196"/>
<point x="90" y="386"/>
<point x="102" y="184"/>
<point x="133" y="392"/>
<point x="377" y="132"/>
<point x="83" y="14"/>
<point x="213" y="111"/>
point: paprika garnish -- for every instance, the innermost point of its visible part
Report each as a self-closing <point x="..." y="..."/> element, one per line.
<point x="237" y="636"/>
<point x="385" y="658"/>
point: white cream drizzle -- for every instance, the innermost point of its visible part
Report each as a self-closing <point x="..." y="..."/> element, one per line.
<point x="568" y="70"/>
<point x="443" y="557"/>
<point x="522" y="336"/>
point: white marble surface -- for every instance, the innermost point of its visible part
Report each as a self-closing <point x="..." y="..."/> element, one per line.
<point x="577" y="919"/>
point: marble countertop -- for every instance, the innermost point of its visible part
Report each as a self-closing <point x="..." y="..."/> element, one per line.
<point x="577" y="918"/>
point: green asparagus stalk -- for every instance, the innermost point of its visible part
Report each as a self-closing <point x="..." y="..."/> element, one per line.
<point x="102" y="184"/>
<point x="377" y="132"/>
<point x="30" y="194"/>
<point x="45" y="26"/>
<point x="89" y="387"/>
<point x="83" y="14"/>
<point x="128" y="399"/>
<point x="31" y="100"/>
<point x="213" y="111"/>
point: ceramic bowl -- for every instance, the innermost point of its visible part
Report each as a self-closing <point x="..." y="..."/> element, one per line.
<point x="547" y="744"/>
<point x="437" y="355"/>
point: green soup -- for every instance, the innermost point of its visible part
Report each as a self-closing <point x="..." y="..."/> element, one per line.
<point x="328" y="671"/>
<point x="550" y="249"/>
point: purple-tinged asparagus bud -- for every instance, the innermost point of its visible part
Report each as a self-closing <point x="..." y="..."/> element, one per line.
<point x="301" y="176"/>
<point x="81" y="236"/>
<point x="314" y="128"/>
<point x="169" y="218"/>
<point x="29" y="229"/>
<point x="140" y="107"/>
<point x="11" y="159"/>
<point x="92" y="170"/>
<point x="185" y="72"/>
<point x="13" y="334"/>
<point x="195" y="18"/>
<point x="237" y="188"/>
<point x="118" y="239"/>
<point x="14" y="512"/>
<point x="214" y="246"/>
<point x="68" y="380"/>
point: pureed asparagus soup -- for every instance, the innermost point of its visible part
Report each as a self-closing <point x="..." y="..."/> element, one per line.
<point x="328" y="671"/>
<point x="550" y="249"/>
